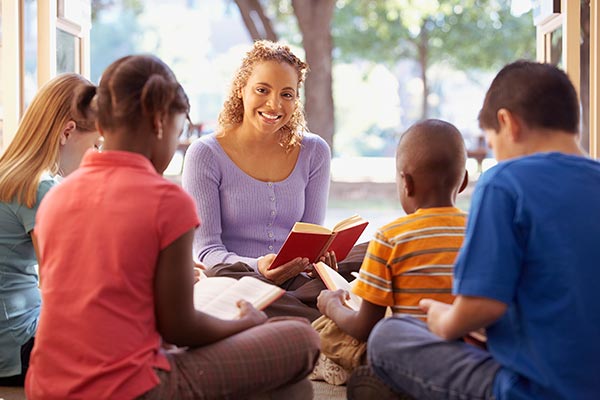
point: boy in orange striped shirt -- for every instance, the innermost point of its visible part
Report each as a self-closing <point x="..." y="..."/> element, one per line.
<point x="412" y="257"/>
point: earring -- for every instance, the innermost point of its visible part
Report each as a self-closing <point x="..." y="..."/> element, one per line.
<point x="160" y="133"/>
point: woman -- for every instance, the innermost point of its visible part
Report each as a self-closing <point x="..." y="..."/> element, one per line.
<point x="260" y="173"/>
<point x="48" y="145"/>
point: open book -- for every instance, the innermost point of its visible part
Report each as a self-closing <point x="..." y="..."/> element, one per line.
<point x="218" y="296"/>
<point x="312" y="241"/>
<point x="334" y="281"/>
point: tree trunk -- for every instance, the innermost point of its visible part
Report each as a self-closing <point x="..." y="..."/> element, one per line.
<point x="257" y="23"/>
<point x="314" y="19"/>
<point x="423" y="54"/>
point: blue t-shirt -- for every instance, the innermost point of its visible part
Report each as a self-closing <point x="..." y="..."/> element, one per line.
<point x="19" y="293"/>
<point x="533" y="242"/>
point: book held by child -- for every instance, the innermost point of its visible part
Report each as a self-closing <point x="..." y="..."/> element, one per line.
<point x="219" y="295"/>
<point x="334" y="281"/>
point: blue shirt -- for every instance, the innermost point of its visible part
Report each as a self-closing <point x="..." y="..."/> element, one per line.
<point x="533" y="243"/>
<point x="19" y="293"/>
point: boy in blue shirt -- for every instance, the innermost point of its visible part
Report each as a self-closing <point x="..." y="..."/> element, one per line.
<point x="528" y="270"/>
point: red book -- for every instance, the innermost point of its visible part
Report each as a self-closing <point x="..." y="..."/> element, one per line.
<point x="312" y="241"/>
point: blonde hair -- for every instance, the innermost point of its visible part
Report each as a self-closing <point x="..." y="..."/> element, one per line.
<point x="232" y="113"/>
<point x="35" y="147"/>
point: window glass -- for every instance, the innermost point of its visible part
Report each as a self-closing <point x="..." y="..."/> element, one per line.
<point x="66" y="52"/>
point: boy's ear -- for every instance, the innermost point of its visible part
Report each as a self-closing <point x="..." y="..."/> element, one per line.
<point x="509" y="123"/>
<point x="409" y="184"/>
<point x="70" y="126"/>
<point x="465" y="182"/>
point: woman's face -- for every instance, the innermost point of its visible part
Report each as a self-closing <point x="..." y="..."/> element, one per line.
<point x="269" y="96"/>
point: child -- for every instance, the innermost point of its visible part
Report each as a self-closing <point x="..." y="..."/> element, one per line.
<point x="411" y="257"/>
<point x="118" y="277"/>
<point x="528" y="271"/>
<point x="48" y="145"/>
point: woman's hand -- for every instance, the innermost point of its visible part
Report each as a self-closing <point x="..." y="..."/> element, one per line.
<point x="327" y="258"/>
<point x="330" y="298"/>
<point x="250" y="314"/>
<point x="283" y="272"/>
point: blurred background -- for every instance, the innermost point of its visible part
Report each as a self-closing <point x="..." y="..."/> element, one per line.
<point x="376" y="67"/>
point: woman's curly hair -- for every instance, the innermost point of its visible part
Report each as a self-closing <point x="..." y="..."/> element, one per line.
<point x="233" y="109"/>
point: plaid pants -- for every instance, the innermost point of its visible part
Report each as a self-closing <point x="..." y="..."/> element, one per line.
<point x="258" y="360"/>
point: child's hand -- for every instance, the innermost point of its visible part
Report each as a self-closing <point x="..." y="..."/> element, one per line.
<point x="283" y="272"/>
<point x="199" y="265"/>
<point x="197" y="274"/>
<point x="436" y="311"/>
<point x="198" y="268"/>
<point x="250" y="314"/>
<point x="330" y="298"/>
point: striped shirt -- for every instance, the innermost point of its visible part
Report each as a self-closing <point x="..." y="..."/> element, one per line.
<point x="412" y="258"/>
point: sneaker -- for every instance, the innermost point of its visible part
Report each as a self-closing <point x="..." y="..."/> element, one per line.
<point x="363" y="384"/>
<point x="329" y="371"/>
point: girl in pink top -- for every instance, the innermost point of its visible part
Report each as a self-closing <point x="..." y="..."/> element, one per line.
<point x="118" y="278"/>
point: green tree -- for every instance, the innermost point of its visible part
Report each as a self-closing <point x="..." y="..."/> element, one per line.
<point x="465" y="34"/>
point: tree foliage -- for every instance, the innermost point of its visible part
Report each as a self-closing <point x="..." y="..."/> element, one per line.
<point x="480" y="34"/>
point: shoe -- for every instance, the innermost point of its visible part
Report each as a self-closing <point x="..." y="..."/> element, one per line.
<point x="363" y="384"/>
<point x="329" y="371"/>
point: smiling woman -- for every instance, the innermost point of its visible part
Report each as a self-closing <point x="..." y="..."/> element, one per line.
<point x="259" y="173"/>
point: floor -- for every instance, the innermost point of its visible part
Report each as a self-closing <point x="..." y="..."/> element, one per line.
<point x="10" y="393"/>
<point x="322" y="391"/>
<point x="325" y="391"/>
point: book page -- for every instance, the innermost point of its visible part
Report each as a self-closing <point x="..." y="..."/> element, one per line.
<point x="224" y="305"/>
<point x="349" y="222"/>
<point x="334" y="281"/>
<point x="307" y="227"/>
<point x="206" y="289"/>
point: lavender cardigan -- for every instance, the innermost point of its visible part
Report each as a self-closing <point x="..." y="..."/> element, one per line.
<point x="243" y="218"/>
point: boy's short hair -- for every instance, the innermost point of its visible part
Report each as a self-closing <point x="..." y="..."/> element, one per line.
<point x="540" y="94"/>
<point x="433" y="148"/>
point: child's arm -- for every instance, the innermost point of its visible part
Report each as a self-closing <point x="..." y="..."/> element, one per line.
<point x="357" y="324"/>
<point x="466" y="314"/>
<point x="177" y="320"/>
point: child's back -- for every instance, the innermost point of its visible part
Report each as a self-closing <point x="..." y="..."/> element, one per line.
<point x="411" y="258"/>
<point x="98" y="276"/>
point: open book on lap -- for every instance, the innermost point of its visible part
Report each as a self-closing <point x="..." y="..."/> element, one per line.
<point x="313" y="241"/>
<point x="218" y="296"/>
<point x="334" y="281"/>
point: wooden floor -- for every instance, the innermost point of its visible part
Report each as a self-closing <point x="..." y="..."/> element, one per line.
<point x="11" y="393"/>
<point x="325" y="391"/>
<point x="322" y="391"/>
